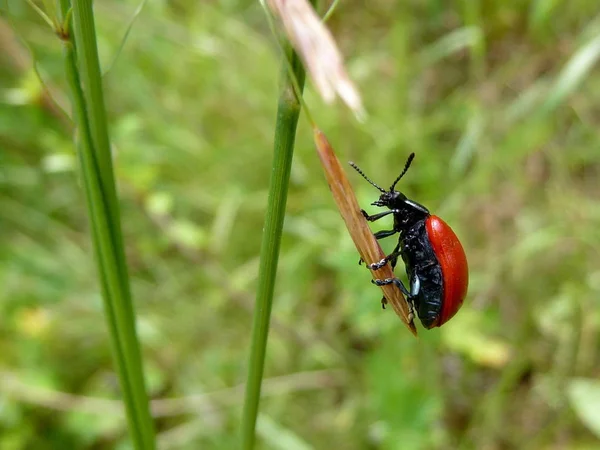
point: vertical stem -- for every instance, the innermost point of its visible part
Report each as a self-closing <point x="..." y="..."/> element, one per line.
<point x="288" y="112"/>
<point x="83" y="74"/>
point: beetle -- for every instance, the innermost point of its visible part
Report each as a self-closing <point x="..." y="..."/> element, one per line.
<point x="434" y="259"/>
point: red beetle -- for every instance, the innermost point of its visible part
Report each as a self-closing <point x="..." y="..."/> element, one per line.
<point x="435" y="261"/>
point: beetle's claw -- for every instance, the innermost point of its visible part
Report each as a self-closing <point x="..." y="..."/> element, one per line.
<point x="384" y="302"/>
<point x="383" y="282"/>
<point x="378" y="265"/>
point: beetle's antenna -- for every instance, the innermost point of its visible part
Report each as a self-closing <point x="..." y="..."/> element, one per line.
<point x="355" y="167"/>
<point x="406" y="166"/>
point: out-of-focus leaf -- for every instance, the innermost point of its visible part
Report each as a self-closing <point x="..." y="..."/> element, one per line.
<point x="556" y="318"/>
<point x="159" y="203"/>
<point x="59" y="162"/>
<point x="278" y="436"/>
<point x="33" y="322"/>
<point x="452" y="42"/>
<point x="526" y="102"/>
<point x="540" y="12"/>
<point x="465" y="334"/>
<point x="467" y="144"/>
<point x="584" y="395"/>
<point x="187" y="233"/>
<point x="578" y="67"/>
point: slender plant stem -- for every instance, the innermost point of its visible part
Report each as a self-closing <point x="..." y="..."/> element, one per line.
<point x="83" y="75"/>
<point x="288" y="112"/>
<point x="281" y="43"/>
<point x="331" y="10"/>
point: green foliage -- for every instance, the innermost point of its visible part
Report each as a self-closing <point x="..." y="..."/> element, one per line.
<point x="499" y="101"/>
<point x="585" y="397"/>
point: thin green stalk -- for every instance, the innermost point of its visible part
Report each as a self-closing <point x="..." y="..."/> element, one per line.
<point x="83" y="75"/>
<point x="281" y="43"/>
<point x="288" y="112"/>
<point x="331" y="10"/>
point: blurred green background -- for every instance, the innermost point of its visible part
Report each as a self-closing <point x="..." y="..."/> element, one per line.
<point x="500" y="100"/>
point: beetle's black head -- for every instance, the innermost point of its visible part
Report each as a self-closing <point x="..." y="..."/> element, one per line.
<point x="408" y="211"/>
<point x="391" y="198"/>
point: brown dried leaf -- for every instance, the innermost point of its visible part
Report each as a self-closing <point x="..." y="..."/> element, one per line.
<point x="359" y="230"/>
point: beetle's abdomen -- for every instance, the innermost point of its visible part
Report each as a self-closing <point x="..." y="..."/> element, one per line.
<point x="420" y="260"/>
<point x="453" y="263"/>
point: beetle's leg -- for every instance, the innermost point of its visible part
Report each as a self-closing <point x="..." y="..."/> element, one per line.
<point x="391" y="257"/>
<point x="384" y="233"/>
<point x="396" y="281"/>
<point x="384" y="302"/>
<point x="411" y="312"/>
<point x="378" y="216"/>
<point x="379" y="264"/>
<point x="380" y="235"/>
<point x="400" y="285"/>
<point x="394" y="257"/>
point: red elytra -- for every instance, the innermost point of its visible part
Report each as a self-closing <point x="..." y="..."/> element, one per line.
<point x="453" y="262"/>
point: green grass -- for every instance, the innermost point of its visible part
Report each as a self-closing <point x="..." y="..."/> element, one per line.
<point x="288" y="112"/>
<point x="499" y="102"/>
<point x="84" y="77"/>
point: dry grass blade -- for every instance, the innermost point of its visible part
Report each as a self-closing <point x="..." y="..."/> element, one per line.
<point x="318" y="50"/>
<point x="359" y="230"/>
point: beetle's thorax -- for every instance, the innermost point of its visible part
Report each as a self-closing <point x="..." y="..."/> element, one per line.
<point x="408" y="212"/>
<point x="407" y="218"/>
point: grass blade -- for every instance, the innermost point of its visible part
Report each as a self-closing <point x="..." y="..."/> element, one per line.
<point x="83" y="73"/>
<point x="288" y="112"/>
<point x="572" y="75"/>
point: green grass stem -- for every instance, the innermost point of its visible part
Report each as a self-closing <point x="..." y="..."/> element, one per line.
<point x="288" y="112"/>
<point x="84" y="78"/>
